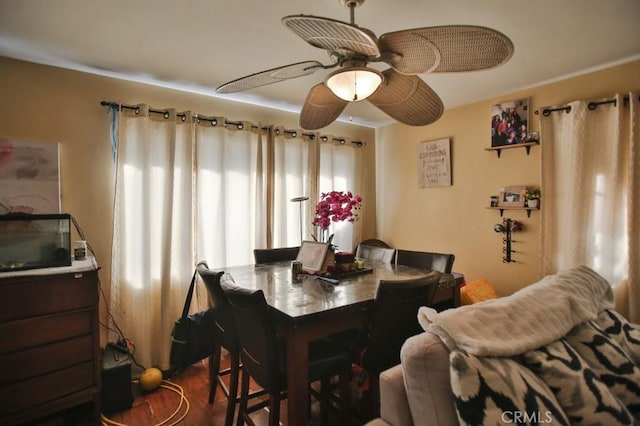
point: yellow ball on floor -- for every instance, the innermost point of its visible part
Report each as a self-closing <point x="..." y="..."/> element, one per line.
<point x="150" y="379"/>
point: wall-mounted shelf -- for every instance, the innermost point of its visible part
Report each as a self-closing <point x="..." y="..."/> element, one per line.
<point x="502" y="209"/>
<point x="526" y="145"/>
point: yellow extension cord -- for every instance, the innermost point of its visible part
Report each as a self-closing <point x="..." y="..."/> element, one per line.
<point x="167" y="385"/>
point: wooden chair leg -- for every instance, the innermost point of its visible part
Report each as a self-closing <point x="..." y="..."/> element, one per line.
<point x="244" y="398"/>
<point x="274" y="409"/>
<point x="232" y="398"/>
<point x="345" y="396"/>
<point x="374" y="394"/>
<point x="214" y="370"/>
<point x="325" y="390"/>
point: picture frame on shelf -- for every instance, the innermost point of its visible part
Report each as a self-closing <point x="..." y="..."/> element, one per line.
<point x="510" y="123"/>
<point x="512" y="196"/>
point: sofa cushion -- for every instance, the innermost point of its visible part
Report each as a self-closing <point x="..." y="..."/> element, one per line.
<point x="584" y="398"/>
<point x="624" y="333"/>
<point x="425" y="365"/>
<point x="609" y="362"/>
<point x="498" y="390"/>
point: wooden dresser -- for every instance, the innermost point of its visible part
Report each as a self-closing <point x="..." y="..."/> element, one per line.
<point x="49" y="350"/>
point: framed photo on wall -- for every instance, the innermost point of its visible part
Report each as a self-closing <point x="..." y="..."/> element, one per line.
<point x="510" y="122"/>
<point x="512" y="196"/>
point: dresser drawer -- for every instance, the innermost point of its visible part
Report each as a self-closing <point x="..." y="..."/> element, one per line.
<point x="46" y="388"/>
<point x="23" y="365"/>
<point x="27" y="333"/>
<point x="23" y="297"/>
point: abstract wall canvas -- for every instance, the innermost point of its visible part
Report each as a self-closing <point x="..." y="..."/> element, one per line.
<point x="29" y="177"/>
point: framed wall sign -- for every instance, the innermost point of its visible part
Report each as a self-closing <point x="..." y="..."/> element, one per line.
<point x="434" y="163"/>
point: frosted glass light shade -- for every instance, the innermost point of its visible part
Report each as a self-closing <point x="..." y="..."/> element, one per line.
<point x="354" y="84"/>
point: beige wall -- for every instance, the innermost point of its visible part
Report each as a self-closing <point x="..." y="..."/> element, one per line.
<point x="50" y="104"/>
<point x="44" y="103"/>
<point x="454" y="219"/>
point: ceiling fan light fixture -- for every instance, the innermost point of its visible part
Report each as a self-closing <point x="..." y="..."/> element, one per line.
<point x="354" y="83"/>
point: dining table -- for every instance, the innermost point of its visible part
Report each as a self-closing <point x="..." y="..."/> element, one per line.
<point x="311" y="307"/>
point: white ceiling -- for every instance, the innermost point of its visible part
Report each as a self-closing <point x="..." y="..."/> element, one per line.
<point x="197" y="45"/>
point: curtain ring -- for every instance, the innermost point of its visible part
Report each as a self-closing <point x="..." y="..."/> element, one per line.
<point x="137" y="110"/>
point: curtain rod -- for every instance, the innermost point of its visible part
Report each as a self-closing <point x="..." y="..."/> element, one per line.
<point x="239" y="124"/>
<point x="591" y="106"/>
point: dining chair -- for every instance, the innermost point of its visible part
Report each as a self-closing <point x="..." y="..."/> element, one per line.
<point x="275" y="254"/>
<point x="375" y="253"/>
<point x="226" y="336"/>
<point x="374" y="242"/>
<point x="263" y="355"/>
<point x="394" y="319"/>
<point x="442" y="262"/>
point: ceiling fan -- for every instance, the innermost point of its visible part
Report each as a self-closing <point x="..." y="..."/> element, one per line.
<point x="397" y="91"/>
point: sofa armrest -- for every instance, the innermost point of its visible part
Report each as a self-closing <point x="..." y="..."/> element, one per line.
<point x="394" y="406"/>
<point x="377" y="422"/>
<point x="425" y="362"/>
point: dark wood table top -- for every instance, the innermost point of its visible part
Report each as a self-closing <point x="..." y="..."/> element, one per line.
<point x="312" y="309"/>
<point x="313" y="296"/>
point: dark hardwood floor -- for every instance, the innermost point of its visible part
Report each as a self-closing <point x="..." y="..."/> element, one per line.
<point x="151" y="408"/>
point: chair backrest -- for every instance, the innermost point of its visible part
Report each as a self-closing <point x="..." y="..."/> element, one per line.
<point x="375" y="253"/>
<point x="374" y="242"/>
<point x="260" y="351"/>
<point x="441" y="262"/>
<point x="275" y="255"/>
<point x="225" y="329"/>
<point x="395" y="318"/>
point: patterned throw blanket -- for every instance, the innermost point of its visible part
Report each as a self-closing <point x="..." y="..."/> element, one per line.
<point x="552" y="353"/>
<point x="532" y="317"/>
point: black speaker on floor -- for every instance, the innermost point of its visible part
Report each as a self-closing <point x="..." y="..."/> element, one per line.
<point x="116" y="379"/>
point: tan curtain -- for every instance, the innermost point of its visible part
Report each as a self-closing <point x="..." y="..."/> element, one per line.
<point x="292" y="151"/>
<point x="591" y="191"/>
<point x="340" y="169"/>
<point x="191" y="188"/>
<point x="152" y="254"/>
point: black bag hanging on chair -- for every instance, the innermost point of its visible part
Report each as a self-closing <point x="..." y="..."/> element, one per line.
<point x="192" y="338"/>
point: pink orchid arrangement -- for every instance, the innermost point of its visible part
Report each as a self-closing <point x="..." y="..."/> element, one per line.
<point x="336" y="206"/>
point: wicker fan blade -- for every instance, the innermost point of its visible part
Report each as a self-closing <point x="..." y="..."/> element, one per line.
<point x="333" y="35"/>
<point x="321" y="108"/>
<point x="407" y="99"/>
<point x="451" y="48"/>
<point x="273" y="75"/>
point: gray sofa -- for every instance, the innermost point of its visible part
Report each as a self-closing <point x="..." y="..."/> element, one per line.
<point x="420" y="391"/>
<point x="424" y="392"/>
